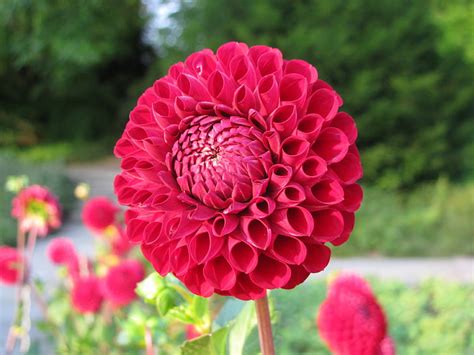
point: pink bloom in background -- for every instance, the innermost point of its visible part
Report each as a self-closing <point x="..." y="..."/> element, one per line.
<point x="37" y="210"/>
<point x="99" y="213"/>
<point x="61" y="251"/>
<point x="10" y="262"/>
<point x="86" y="294"/>
<point x="351" y="321"/>
<point x="121" y="280"/>
<point x="238" y="169"/>
<point x="191" y="332"/>
<point x="119" y="243"/>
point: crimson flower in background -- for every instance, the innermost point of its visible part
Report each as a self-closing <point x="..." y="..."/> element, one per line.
<point x="119" y="242"/>
<point x="351" y="321"/>
<point x="37" y="210"/>
<point x="192" y="332"/>
<point x="86" y="294"/>
<point x="237" y="169"/>
<point x="120" y="282"/>
<point x="10" y="262"/>
<point x="61" y="251"/>
<point x="99" y="213"/>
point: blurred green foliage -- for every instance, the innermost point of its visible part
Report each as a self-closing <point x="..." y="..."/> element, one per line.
<point x="435" y="317"/>
<point x="65" y="67"/>
<point x="432" y="220"/>
<point x="51" y="175"/>
<point x="404" y="68"/>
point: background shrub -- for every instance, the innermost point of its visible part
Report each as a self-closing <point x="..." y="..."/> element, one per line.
<point x="435" y="317"/>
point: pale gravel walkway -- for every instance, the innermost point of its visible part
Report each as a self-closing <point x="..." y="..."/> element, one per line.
<point x="100" y="177"/>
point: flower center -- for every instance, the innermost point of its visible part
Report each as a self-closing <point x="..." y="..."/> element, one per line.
<point x="216" y="159"/>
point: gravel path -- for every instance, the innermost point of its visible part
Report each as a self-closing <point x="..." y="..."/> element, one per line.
<point x="100" y="177"/>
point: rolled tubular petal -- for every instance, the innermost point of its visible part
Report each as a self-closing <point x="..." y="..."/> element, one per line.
<point x="291" y="195"/>
<point x="309" y="127"/>
<point x="270" y="273"/>
<point x="242" y="256"/>
<point x="332" y="145"/>
<point x="349" y="169"/>
<point x="298" y="275"/>
<point x="224" y="224"/>
<point x="220" y="274"/>
<point x="295" y="221"/>
<point x="293" y="89"/>
<point x="262" y="207"/>
<point x="256" y="232"/>
<point x="317" y="257"/>
<point x="294" y="150"/>
<point x="324" y="103"/>
<point x="328" y="225"/>
<point x="196" y="282"/>
<point x="325" y="192"/>
<point x="283" y="120"/>
<point x="311" y="170"/>
<point x="268" y="94"/>
<point x="289" y="250"/>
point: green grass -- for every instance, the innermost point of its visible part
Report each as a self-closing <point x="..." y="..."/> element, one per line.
<point x="51" y="174"/>
<point x="434" y="318"/>
<point x="432" y="220"/>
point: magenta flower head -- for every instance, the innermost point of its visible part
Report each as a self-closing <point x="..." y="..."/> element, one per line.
<point x="237" y="169"/>
<point x="10" y="265"/>
<point x="351" y="321"/>
<point x="99" y="213"/>
<point x="121" y="280"/>
<point x="37" y="210"/>
<point x="86" y="295"/>
<point x="61" y="251"/>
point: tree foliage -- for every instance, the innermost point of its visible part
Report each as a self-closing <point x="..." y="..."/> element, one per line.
<point x="404" y="69"/>
<point x="65" y="66"/>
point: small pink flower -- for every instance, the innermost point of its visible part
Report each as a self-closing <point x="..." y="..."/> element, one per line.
<point x="10" y="262"/>
<point x="121" y="280"/>
<point x="37" y="209"/>
<point x="191" y="332"/>
<point x="238" y="169"/>
<point x="99" y="213"/>
<point x="351" y="321"/>
<point x="119" y="243"/>
<point x="61" y="251"/>
<point x="86" y="294"/>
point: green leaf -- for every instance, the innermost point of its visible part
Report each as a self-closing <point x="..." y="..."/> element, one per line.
<point x="209" y="344"/>
<point x="200" y="307"/>
<point x="219" y="340"/>
<point x="241" y="329"/>
<point x="180" y="313"/>
<point x="149" y="288"/>
<point x="197" y="346"/>
<point x="166" y="300"/>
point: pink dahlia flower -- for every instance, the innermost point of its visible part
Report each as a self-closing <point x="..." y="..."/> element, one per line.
<point x="37" y="210"/>
<point x="351" y="321"/>
<point x="86" y="295"/>
<point x="99" y="213"/>
<point x="61" y="251"/>
<point x="237" y="169"/>
<point x="121" y="280"/>
<point x="10" y="262"/>
<point x="119" y="243"/>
